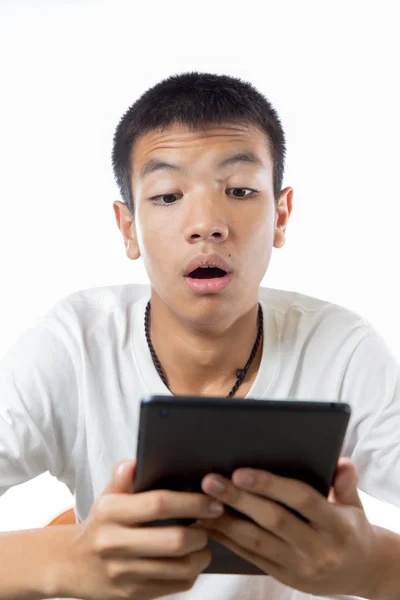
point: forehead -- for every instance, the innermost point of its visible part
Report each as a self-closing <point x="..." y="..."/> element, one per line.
<point x="201" y="145"/>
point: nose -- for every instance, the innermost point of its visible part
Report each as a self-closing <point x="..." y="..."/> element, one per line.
<point x="206" y="222"/>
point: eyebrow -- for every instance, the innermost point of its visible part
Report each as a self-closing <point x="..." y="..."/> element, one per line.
<point x="244" y="156"/>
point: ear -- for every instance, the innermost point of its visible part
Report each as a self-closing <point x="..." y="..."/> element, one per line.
<point x="283" y="211"/>
<point x="126" y="225"/>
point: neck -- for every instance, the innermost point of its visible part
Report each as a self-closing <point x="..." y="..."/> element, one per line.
<point x="200" y="357"/>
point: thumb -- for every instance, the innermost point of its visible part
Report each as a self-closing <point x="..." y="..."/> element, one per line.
<point x="345" y="484"/>
<point x="122" y="478"/>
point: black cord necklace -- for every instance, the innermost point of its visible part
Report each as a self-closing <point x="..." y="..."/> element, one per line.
<point x="240" y="373"/>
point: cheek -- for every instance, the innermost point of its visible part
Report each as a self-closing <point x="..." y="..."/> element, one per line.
<point x="156" y="243"/>
<point x="258" y="232"/>
<point x="257" y="244"/>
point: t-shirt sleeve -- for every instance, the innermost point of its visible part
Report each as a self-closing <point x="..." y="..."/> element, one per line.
<point x="38" y="407"/>
<point x="371" y="385"/>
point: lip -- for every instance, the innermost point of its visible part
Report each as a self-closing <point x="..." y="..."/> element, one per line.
<point x="207" y="260"/>
<point x="208" y="286"/>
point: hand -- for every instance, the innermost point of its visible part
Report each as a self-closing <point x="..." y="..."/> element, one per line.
<point x="332" y="554"/>
<point x="112" y="556"/>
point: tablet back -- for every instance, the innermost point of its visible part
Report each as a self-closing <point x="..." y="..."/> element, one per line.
<point x="182" y="438"/>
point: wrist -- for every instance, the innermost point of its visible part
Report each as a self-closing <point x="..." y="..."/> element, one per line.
<point x="60" y="578"/>
<point x="384" y="572"/>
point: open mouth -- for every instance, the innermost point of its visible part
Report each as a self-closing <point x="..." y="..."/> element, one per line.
<point x="208" y="280"/>
<point x="207" y="273"/>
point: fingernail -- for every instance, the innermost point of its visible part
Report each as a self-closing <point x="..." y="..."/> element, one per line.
<point x="215" y="508"/>
<point x="216" y="486"/>
<point x="245" y="478"/>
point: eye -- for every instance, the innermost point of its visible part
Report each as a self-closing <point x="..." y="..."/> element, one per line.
<point x="240" y="197"/>
<point x="155" y="199"/>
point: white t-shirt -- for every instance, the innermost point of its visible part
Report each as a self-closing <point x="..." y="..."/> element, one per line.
<point x="71" y="385"/>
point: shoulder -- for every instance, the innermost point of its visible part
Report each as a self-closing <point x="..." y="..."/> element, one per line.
<point x="287" y="304"/>
<point x="93" y="311"/>
<point x="309" y="321"/>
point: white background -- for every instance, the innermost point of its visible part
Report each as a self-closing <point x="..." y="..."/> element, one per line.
<point x="69" y="69"/>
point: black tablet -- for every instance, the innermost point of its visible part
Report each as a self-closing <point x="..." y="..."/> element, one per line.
<point x="183" y="438"/>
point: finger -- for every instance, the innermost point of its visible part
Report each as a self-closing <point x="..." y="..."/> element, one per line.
<point x="345" y="485"/>
<point x="295" y="494"/>
<point x="185" y="568"/>
<point x="154" y="542"/>
<point x="122" y="478"/>
<point x="271" y="516"/>
<point x="269" y="567"/>
<point x="256" y="540"/>
<point x="131" y="509"/>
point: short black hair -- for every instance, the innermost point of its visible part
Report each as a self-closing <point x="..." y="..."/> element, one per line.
<point x="196" y="100"/>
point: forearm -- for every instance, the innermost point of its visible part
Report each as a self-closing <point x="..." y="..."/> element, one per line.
<point x="31" y="562"/>
<point x="385" y="577"/>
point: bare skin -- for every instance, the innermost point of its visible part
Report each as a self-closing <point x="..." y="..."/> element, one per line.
<point x="202" y="339"/>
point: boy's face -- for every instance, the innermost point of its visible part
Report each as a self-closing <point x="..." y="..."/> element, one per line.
<point x="203" y="210"/>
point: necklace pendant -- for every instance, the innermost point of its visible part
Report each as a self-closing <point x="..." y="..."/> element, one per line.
<point x="240" y="374"/>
